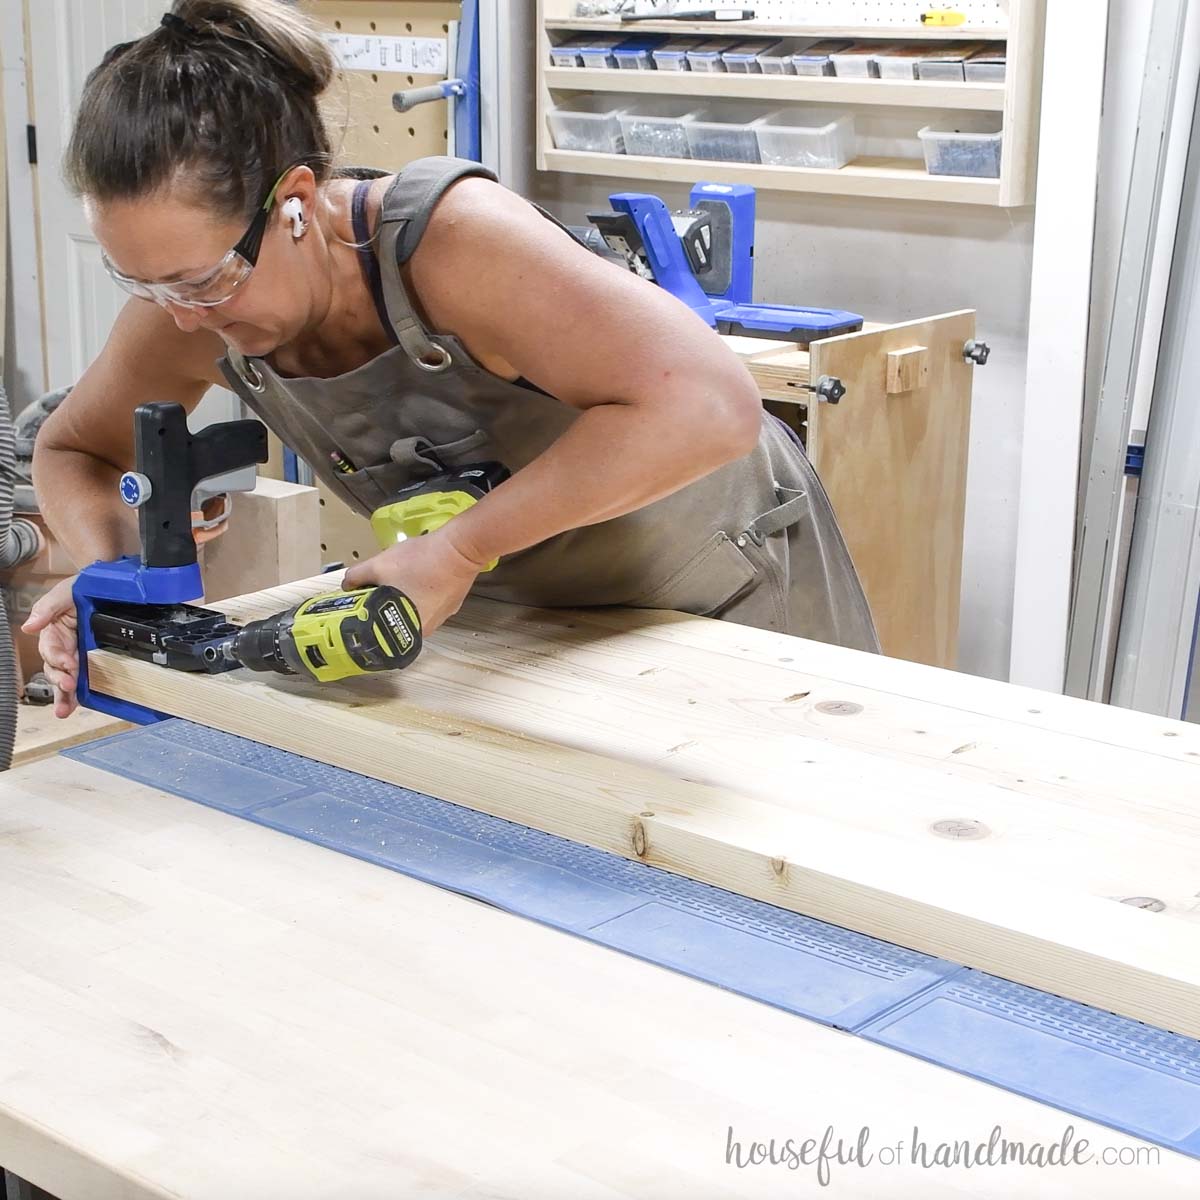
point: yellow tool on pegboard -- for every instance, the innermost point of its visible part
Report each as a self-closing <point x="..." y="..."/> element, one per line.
<point x="943" y="17"/>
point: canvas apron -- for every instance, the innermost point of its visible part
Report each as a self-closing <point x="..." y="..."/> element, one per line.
<point x="755" y="542"/>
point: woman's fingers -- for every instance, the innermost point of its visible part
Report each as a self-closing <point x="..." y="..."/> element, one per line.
<point x="57" y="603"/>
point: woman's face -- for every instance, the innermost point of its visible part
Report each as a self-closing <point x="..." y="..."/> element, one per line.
<point x="163" y="238"/>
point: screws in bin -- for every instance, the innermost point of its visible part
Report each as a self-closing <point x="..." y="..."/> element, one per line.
<point x="976" y="352"/>
<point x="828" y="388"/>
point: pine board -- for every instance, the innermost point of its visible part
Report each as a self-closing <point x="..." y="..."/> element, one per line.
<point x="201" y="1008"/>
<point x="795" y="773"/>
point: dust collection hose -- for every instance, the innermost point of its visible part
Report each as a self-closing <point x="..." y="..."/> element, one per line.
<point x="19" y="541"/>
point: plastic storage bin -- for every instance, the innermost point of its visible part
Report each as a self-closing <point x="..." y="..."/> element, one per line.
<point x="859" y="61"/>
<point x="591" y="123"/>
<point x="725" y="133"/>
<point x="900" y="62"/>
<point x="962" y="151"/>
<point x="597" y="52"/>
<point x="673" y="56"/>
<point x="777" y="59"/>
<point x="799" y="138"/>
<point x="988" y="66"/>
<point x="743" y="58"/>
<point x="708" y="56"/>
<point x="946" y="66"/>
<point x="567" y="53"/>
<point x="656" y="127"/>
<point x="634" y="54"/>
<point x="815" y="60"/>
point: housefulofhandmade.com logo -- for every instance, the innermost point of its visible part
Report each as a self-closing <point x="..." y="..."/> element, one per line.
<point x="830" y="1149"/>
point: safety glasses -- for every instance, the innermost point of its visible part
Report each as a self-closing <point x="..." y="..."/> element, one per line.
<point x="212" y="287"/>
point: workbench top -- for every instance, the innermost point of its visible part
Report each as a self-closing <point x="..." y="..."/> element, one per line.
<point x="196" y="1006"/>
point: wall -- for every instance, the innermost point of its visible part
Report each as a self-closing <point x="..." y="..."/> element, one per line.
<point x="895" y="260"/>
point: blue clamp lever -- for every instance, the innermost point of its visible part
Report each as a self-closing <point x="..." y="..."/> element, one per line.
<point x="169" y="462"/>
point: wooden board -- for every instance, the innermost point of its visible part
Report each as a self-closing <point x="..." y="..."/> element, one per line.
<point x="895" y="467"/>
<point x="993" y="826"/>
<point x="41" y="734"/>
<point x="272" y="537"/>
<point x="201" y="1008"/>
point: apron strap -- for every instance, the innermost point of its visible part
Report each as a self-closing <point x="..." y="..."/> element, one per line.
<point x="407" y="207"/>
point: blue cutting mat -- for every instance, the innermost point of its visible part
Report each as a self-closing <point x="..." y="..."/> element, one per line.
<point x="1110" y="1069"/>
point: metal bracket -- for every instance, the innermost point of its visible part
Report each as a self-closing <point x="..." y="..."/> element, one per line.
<point x="976" y="352"/>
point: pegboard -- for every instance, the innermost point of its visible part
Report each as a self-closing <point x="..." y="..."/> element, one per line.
<point x="850" y="13"/>
<point x="876" y="12"/>
<point x="378" y="136"/>
<point x="375" y="134"/>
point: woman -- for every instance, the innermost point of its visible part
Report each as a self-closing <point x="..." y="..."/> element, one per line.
<point x="405" y="323"/>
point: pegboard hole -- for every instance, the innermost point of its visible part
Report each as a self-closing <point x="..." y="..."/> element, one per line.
<point x="412" y="132"/>
<point x="321" y="501"/>
<point x="408" y="26"/>
<point x="375" y="127"/>
<point x="374" y="77"/>
<point x="354" y="553"/>
<point x="323" y="547"/>
<point x="336" y="25"/>
<point x="445" y="28"/>
<point x="410" y="79"/>
<point x="372" y="26"/>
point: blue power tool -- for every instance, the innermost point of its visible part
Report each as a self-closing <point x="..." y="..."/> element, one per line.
<point x="139" y="603"/>
<point x="704" y="256"/>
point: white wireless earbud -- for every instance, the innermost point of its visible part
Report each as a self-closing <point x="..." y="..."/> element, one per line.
<point x="293" y="211"/>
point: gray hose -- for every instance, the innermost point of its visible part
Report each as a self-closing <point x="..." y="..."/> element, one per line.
<point x="19" y="541"/>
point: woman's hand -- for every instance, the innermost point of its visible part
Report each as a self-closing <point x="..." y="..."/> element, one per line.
<point x="53" y="620"/>
<point x="430" y="570"/>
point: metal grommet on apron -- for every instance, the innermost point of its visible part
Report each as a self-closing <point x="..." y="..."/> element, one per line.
<point x="434" y="358"/>
<point x="248" y="373"/>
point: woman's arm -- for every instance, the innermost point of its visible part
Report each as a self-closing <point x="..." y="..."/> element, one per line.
<point x="663" y="400"/>
<point x="87" y="443"/>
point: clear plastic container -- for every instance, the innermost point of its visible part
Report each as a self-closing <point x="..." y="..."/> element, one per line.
<point x="655" y="128"/>
<point x="900" y="62"/>
<point x="946" y="66"/>
<point x="806" y="138"/>
<point x="859" y="61"/>
<point x="591" y="123"/>
<point x="988" y="66"/>
<point x="597" y="52"/>
<point x="815" y="60"/>
<point x="674" y="55"/>
<point x="973" y="152"/>
<point x="708" y="56"/>
<point x="725" y="132"/>
<point x="567" y="53"/>
<point x="777" y="59"/>
<point x="634" y="54"/>
<point x="742" y="59"/>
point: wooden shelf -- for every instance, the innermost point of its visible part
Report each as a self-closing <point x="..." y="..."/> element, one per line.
<point x="899" y="178"/>
<point x="986" y="97"/>
<point x="883" y="105"/>
<point x="991" y="33"/>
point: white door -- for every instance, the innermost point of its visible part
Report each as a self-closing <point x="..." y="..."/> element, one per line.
<point x="68" y="39"/>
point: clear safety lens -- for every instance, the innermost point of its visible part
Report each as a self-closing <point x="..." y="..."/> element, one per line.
<point x="202" y="291"/>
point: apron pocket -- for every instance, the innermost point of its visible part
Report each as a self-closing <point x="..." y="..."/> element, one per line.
<point x="712" y="578"/>
<point x="412" y="459"/>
